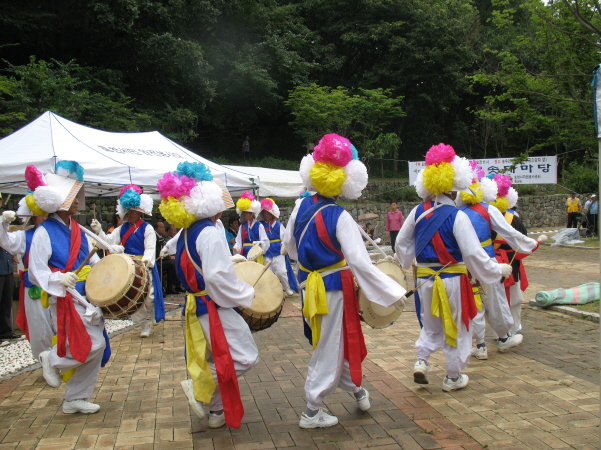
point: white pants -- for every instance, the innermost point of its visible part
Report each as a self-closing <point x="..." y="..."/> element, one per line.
<point x="83" y="381"/>
<point x="432" y="335"/>
<point x="278" y="266"/>
<point x="241" y="343"/>
<point x="517" y="298"/>
<point x="147" y="310"/>
<point x="328" y="369"/>
<point x="40" y="325"/>
<point x="496" y="310"/>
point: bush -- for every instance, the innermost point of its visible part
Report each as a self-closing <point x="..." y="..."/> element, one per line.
<point x="525" y="189"/>
<point x="403" y="194"/>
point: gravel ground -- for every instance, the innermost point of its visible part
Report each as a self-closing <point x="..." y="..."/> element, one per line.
<point x="17" y="356"/>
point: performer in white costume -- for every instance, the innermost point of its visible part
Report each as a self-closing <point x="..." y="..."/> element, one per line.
<point x="138" y="238"/>
<point x="59" y="246"/>
<point x="33" y="317"/>
<point x="488" y="220"/>
<point x="327" y="244"/>
<point x="191" y="200"/>
<point x="277" y="254"/>
<point x="442" y="238"/>
<point x="251" y="232"/>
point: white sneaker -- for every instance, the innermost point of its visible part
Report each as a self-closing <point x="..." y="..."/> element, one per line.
<point x="188" y="387"/>
<point x="479" y="353"/>
<point x="449" y="385"/>
<point x="512" y="341"/>
<point x="320" y="420"/>
<point x="289" y="292"/>
<point x="50" y="374"/>
<point x="420" y="371"/>
<point x="146" y="330"/>
<point x="216" y="420"/>
<point x="80" y="406"/>
<point x="363" y="401"/>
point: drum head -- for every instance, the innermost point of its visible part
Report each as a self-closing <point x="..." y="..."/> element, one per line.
<point x="378" y="316"/>
<point x="269" y="294"/>
<point x="254" y="252"/>
<point x="110" y="279"/>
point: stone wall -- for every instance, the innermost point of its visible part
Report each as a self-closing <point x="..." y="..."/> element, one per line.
<point x="536" y="211"/>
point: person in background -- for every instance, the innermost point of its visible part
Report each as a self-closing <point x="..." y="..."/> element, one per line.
<point x="572" y="210"/>
<point x="394" y="222"/>
<point x="592" y="215"/>
<point x="369" y="229"/>
<point x="246" y="148"/>
<point x="232" y="232"/>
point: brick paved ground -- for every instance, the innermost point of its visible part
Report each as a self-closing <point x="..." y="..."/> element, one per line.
<point x="543" y="395"/>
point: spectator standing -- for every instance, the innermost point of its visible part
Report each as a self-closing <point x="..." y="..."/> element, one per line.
<point x="246" y="148"/>
<point x="572" y="210"/>
<point x="232" y="232"/>
<point x="394" y="222"/>
<point x="159" y="231"/>
<point x="593" y="213"/>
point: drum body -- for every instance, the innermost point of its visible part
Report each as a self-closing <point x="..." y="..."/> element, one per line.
<point x="378" y="316"/>
<point x="118" y="284"/>
<point x="269" y="295"/>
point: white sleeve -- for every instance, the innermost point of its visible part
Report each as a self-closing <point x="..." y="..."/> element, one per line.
<point x="265" y="244"/>
<point x="480" y="265"/>
<point x="171" y="244"/>
<point x="150" y="244"/>
<point x="238" y="244"/>
<point x="405" y="242"/>
<point x="39" y="272"/>
<point x="289" y="241"/>
<point x="514" y="238"/>
<point x="282" y="231"/>
<point x="221" y="281"/>
<point x="113" y="238"/>
<point x="376" y="285"/>
<point x="13" y="242"/>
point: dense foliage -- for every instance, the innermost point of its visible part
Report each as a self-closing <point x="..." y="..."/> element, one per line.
<point x="490" y="77"/>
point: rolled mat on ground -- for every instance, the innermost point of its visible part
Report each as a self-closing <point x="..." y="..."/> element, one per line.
<point x="579" y="295"/>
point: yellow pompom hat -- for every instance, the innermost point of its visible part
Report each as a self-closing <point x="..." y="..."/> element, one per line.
<point x="334" y="168"/>
<point x="444" y="172"/>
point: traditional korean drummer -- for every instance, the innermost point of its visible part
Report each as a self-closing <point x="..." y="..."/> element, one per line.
<point x="138" y="238"/>
<point x="251" y="233"/>
<point x="59" y="247"/>
<point x="326" y="242"/>
<point x="192" y="201"/>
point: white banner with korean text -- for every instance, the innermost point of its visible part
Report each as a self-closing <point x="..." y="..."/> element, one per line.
<point x="535" y="170"/>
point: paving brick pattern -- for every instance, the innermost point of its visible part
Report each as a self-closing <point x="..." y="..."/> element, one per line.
<point x="545" y="394"/>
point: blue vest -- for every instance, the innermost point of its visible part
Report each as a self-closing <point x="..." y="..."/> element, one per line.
<point x="313" y="253"/>
<point x="192" y="235"/>
<point x="252" y="235"/>
<point x="482" y="227"/>
<point x="60" y="240"/>
<point x="441" y="220"/>
<point x="273" y="233"/>
<point x="28" y="237"/>
<point x="135" y="242"/>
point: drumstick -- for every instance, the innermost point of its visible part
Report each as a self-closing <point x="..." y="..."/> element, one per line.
<point x="262" y="272"/>
<point x="365" y="235"/>
<point x="85" y="261"/>
<point x="414" y="290"/>
<point x="516" y="251"/>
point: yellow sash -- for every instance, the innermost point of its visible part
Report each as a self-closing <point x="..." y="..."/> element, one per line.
<point x="67" y="374"/>
<point x="196" y="349"/>
<point x="440" y="301"/>
<point x="82" y="276"/>
<point x="486" y="243"/>
<point x="316" y="302"/>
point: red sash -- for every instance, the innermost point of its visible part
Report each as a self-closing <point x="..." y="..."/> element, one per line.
<point x="480" y="209"/>
<point x="468" y="303"/>
<point x="224" y="365"/>
<point x="131" y="231"/>
<point x="355" y="350"/>
<point x="70" y="326"/>
<point x="21" y="315"/>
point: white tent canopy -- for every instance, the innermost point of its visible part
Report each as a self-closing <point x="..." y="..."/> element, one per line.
<point x="275" y="183"/>
<point x="110" y="160"/>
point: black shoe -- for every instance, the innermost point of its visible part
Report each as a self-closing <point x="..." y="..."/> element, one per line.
<point x="14" y="337"/>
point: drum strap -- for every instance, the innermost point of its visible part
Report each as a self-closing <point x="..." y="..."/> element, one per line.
<point x="440" y="301"/>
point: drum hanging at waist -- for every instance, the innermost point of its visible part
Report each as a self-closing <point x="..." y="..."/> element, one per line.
<point x="378" y="316"/>
<point x="267" y="305"/>
<point x="118" y="284"/>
